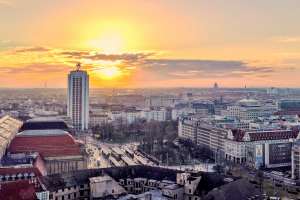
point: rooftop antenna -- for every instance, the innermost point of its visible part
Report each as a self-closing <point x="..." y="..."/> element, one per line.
<point x="78" y="66"/>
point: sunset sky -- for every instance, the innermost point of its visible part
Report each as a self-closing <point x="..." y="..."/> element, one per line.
<point x="151" y="43"/>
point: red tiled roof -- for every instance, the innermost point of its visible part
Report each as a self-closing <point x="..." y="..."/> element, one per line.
<point x="17" y="190"/>
<point x="40" y="165"/>
<point x="273" y="135"/>
<point x="46" y="146"/>
<point x="238" y="134"/>
<point x="265" y="135"/>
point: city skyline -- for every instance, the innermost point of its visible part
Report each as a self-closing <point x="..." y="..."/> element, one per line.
<point x="134" y="44"/>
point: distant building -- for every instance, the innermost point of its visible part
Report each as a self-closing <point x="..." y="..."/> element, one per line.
<point x="78" y="99"/>
<point x="98" y="120"/>
<point x="289" y="105"/>
<point x="249" y="109"/>
<point x="216" y="86"/>
<point x="159" y="101"/>
<point x="157" y="114"/>
<point x="273" y="91"/>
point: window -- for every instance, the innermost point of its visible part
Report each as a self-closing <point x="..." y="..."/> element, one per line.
<point x="81" y="193"/>
<point x="112" y="191"/>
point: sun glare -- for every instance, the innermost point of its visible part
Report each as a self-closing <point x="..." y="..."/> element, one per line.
<point x="109" y="73"/>
<point x="111" y="37"/>
<point x="108" y="43"/>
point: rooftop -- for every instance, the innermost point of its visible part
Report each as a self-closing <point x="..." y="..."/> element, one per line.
<point x="8" y="129"/>
<point x="17" y="190"/>
<point x="44" y="123"/>
<point x="59" y="181"/>
<point x="240" y="189"/>
<point x="257" y="135"/>
<point x="47" y="145"/>
<point x="43" y="132"/>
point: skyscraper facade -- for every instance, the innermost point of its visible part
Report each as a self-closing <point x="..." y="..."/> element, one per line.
<point x="78" y="98"/>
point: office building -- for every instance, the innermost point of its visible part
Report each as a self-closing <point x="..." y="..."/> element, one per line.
<point x="78" y="98"/>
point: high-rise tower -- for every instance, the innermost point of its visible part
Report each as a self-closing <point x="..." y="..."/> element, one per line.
<point x="78" y="98"/>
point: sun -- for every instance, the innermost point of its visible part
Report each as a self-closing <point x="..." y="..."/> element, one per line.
<point x="109" y="73"/>
<point x="111" y="36"/>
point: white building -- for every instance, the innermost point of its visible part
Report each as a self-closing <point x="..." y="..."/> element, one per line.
<point x="267" y="148"/>
<point x="158" y="114"/>
<point x="131" y="116"/>
<point x="78" y="98"/>
<point x="203" y="133"/>
<point x="177" y="113"/>
<point x="98" y="119"/>
<point x="104" y="186"/>
<point x="158" y="101"/>
<point x="249" y="109"/>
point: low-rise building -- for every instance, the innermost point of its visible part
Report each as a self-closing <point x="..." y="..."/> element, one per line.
<point x="57" y="147"/>
<point x="260" y="148"/>
<point x="105" y="186"/>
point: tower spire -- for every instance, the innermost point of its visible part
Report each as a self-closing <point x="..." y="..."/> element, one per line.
<point x="78" y="66"/>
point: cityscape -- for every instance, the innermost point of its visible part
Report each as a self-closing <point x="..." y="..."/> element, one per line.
<point x="149" y="100"/>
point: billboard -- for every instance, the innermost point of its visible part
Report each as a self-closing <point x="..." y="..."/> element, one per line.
<point x="258" y="156"/>
<point x="280" y="153"/>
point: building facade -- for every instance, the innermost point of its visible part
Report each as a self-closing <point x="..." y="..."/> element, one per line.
<point x="296" y="160"/>
<point x="260" y="148"/>
<point x="78" y="99"/>
<point x="203" y="133"/>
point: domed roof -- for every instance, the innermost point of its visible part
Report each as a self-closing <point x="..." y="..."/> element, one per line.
<point x="248" y="102"/>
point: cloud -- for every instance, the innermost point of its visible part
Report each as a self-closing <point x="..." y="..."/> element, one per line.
<point x="44" y="60"/>
<point x="6" y="3"/>
<point x="31" y="49"/>
<point x="36" y="68"/>
<point x="203" y="68"/>
<point x="100" y="56"/>
<point x="289" y="39"/>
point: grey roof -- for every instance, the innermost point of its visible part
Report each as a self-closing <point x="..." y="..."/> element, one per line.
<point x="236" y="190"/>
<point x="59" y="181"/>
<point x="43" y="132"/>
<point x="45" y="119"/>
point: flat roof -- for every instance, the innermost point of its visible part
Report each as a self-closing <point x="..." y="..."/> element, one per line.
<point x="44" y="132"/>
<point x="45" y="119"/>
